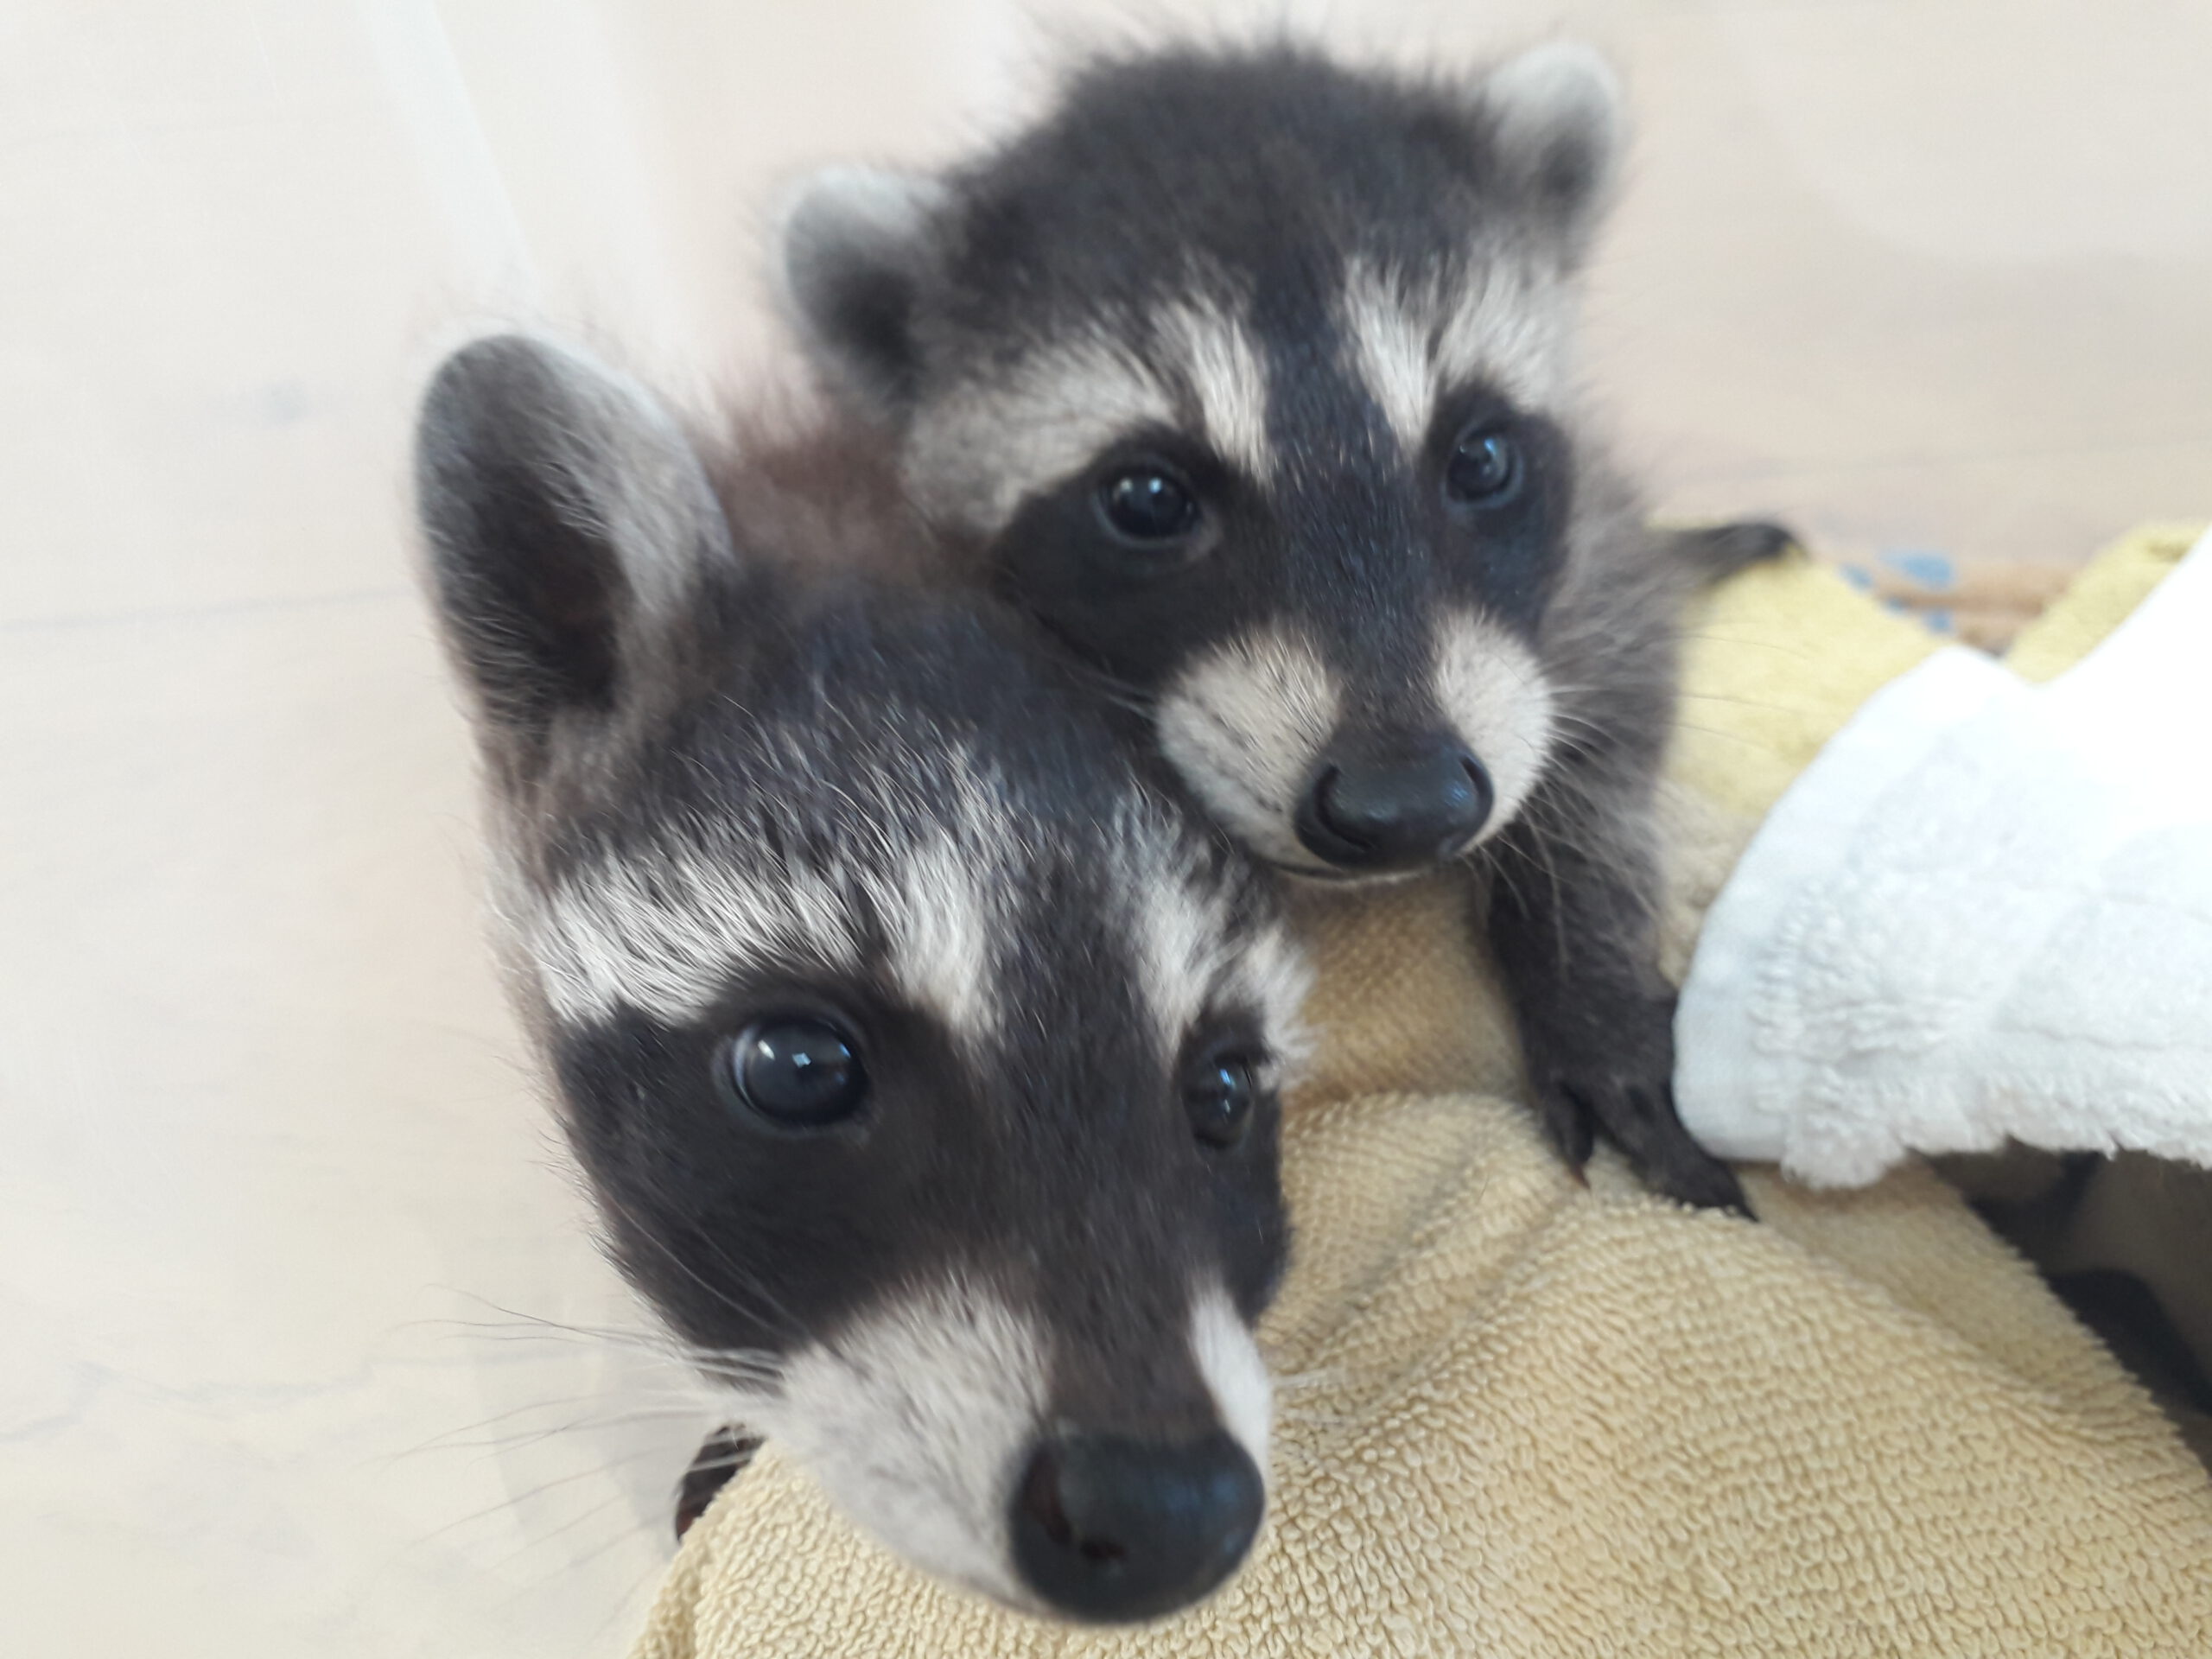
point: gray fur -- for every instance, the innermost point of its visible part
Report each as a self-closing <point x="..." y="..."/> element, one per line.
<point x="1396" y="258"/>
<point x="738" y="776"/>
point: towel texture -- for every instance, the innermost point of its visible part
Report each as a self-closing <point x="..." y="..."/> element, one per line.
<point x="1983" y="914"/>
<point x="1519" y="1417"/>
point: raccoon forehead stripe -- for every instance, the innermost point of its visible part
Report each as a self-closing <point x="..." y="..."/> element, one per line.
<point x="1275" y="975"/>
<point x="662" y="933"/>
<point x="1212" y="352"/>
<point x="1415" y="339"/>
<point x="997" y="438"/>
<point x="1182" y="941"/>
<point x="1491" y="687"/>
<point x="992" y="441"/>
<point x="1393" y="354"/>
<point x="1194" y="957"/>
<point x="942" y="951"/>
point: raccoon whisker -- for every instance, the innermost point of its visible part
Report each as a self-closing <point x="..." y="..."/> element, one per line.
<point x="728" y="1365"/>
<point x="1120" y="692"/>
<point x="1565" y="834"/>
<point x="623" y="1535"/>
<point x="779" y="1314"/>
<point x="1566" y="717"/>
<point x="516" y="1499"/>
<point x="1557" y="834"/>
<point x="529" y="1328"/>
<point x="762" y="1376"/>
<point x="732" y="1358"/>
<point x="1744" y="738"/>
<point x="1733" y="641"/>
<point x="692" y="1411"/>
<point x="444" y="1439"/>
<point x="728" y="1460"/>
<point x="1502" y="875"/>
<point x="673" y="1404"/>
<point x="1722" y="696"/>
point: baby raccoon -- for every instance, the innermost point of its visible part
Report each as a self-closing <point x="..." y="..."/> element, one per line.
<point x="921" y="1050"/>
<point x="1250" y="377"/>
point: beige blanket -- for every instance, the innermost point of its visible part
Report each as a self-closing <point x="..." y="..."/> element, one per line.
<point x="1522" y="1417"/>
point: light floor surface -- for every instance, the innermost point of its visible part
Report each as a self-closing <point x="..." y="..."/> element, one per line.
<point x="281" y="1215"/>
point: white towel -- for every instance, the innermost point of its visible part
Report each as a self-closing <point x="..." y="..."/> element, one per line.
<point x="1985" y="911"/>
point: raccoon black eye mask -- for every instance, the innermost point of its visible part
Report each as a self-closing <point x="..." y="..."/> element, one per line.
<point x="1249" y="377"/>
<point x="920" y="1049"/>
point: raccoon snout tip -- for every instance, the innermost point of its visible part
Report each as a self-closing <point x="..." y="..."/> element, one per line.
<point x="1394" y="813"/>
<point x="1112" y="1530"/>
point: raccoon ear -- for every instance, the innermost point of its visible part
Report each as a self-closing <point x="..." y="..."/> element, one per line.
<point x="565" y="512"/>
<point x="855" y="246"/>
<point x="1555" y="113"/>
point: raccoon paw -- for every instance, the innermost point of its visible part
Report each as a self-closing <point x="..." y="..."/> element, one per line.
<point x="1638" y="1115"/>
<point x="1606" y="1070"/>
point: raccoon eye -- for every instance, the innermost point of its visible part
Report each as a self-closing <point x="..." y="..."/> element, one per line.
<point x="1484" y="470"/>
<point x="799" y="1072"/>
<point x="1220" y="1097"/>
<point x="1145" y="505"/>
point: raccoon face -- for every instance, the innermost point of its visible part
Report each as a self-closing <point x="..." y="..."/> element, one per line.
<point x="922" y="1055"/>
<point x="1249" y="374"/>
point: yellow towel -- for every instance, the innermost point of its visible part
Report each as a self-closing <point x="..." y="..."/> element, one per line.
<point x="1519" y="1417"/>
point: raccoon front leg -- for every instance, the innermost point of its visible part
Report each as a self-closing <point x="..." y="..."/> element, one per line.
<point x="1570" y="920"/>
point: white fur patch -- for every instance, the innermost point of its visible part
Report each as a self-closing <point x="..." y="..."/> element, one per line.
<point x="1211" y="349"/>
<point x="1510" y="328"/>
<point x="1244" y="724"/>
<point x="988" y="444"/>
<point x="664" y="928"/>
<point x="1415" y="341"/>
<point x="985" y="446"/>
<point x="944" y="939"/>
<point x="1492" y="690"/>
<point x="1235" y="1374"/>
<point x="1391" y="354"/>
<point x="1181" y="938"/>
<point x="662" y="933"/>
<point x="915" y="1420"/>
<point x="1275" y="975"/>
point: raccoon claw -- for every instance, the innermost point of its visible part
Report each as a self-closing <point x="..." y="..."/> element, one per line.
<point x="1639" y="1118"/>
<point x="1571" y="1127"/>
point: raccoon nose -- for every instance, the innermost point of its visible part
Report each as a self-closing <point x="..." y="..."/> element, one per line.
<point x="1396" y="814"/>
<point x="1113" y="1531"/>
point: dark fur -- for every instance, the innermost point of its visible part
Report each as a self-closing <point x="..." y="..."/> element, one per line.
<point x="732" y="691"/>
<point x="1256" y="181"/>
